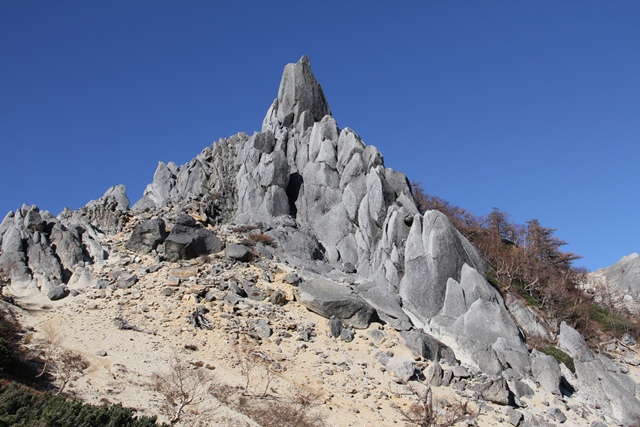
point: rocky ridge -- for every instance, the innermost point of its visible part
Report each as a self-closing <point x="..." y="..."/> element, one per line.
<point x="619" y="284"/>
<point x="307" y="196"/>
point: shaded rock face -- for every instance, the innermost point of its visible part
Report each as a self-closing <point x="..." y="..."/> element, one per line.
<point x="147" y="236"/>
<point x="187" y="241"/>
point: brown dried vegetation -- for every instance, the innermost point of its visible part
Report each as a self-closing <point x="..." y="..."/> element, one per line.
<point x="527" y="260"/>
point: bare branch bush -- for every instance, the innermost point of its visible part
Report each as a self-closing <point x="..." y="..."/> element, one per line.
<point x="187" y="392"/>
<point x="424" y="413"/>
<point x="295" y="410"/>
<point x="252" y="360"/>
<point x="63" y="364"/>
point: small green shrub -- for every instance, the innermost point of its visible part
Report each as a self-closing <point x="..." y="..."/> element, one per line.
<point x="614" y="322"/>
<point x="6" y="355"/>
<point x="8" y="344"/>
<point x="529" y="299"/>
<point x="494" y="282"/>
<point x="22" y="407"/>
<point x="560" y="356"/>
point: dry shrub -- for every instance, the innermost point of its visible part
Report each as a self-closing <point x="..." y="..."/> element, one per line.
<point x="254" y="360"/>
<point x="64" y="365"/>
<point x="246" y="228"/>
<point x="424" y="414"/>
<point x="186" y="387"/>
<point x="282" y="414"/>
<point x="265" y="239"/>
<point x="295" y="410"/>
<point x="247" y="242"/>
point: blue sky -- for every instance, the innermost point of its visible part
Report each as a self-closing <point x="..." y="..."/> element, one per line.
<point x="531" y="107"/>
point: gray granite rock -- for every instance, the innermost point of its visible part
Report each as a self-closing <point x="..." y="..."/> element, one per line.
<point x="595" y="383"/>
<point x="546" y="371"/>
<point x="424" y="345"/>
<point x="333" y="299"/>
<point x="185" y="242"/>
<point x="147" y="236"/>
<point x="239" y="252"/>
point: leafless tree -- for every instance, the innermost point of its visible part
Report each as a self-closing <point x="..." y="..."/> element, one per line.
<point x="185" y="386"/>
<point x="64" y="365"/>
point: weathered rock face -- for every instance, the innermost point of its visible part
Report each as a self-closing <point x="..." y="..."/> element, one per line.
<point x="40" y="252"/>
<point x="596" y="383"/>
<point x="435" y="252"/>
<point x="347" y="223"/>
<point x="300" y="99"/>
<point x="328" y="198"/>
<point x="626" y="275"/>
<point x="147" y="236"/>
<point x="187" y="241"/>
<point x="204" y="187"/>
<point x="546" y="372"/>
<point x="620" y="283"/>
<point x="333" y="299"/>
<point x="108" y="213"/>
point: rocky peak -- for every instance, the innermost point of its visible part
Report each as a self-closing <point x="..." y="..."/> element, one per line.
<point x="300" y="101"/>
<point x="333" y="213"/>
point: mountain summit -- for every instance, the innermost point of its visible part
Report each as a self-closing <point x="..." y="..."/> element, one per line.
<point x="316" y="199"/>
<point x="300" y="101"/>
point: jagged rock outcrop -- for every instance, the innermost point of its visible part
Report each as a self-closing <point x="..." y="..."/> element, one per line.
<point x="351" y="228"/>
<point x="300" y="99"/>
<point x="39" y="252"/>
<point x="204" y="187"/>
<point x="618" y="284"/>
<point x="335" y="209"/>
<point x="597" y="383"/>
<point x="328" y="199"/>
<point x="108" y="213"/>
<point x="626" y="275"/>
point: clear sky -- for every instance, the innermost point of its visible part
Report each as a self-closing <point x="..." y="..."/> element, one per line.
<point x="529" y="106"/>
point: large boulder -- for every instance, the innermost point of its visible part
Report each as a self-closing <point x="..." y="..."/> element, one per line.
<point x="147" y="236"/>
<point x="424" y="345"/>
<point x="329" y="299"/>
<point x="387" y="303"/>
<point x="546" y="372"/>
<point x="239" y="252"/>
<point x="190" y="242"/>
